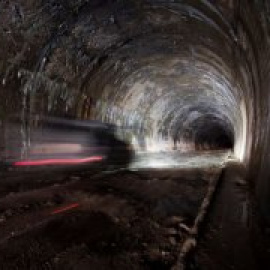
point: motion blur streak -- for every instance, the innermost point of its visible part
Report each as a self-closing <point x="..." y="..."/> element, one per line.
<point x="57" y="161"/>
<point x="66" y="208"/>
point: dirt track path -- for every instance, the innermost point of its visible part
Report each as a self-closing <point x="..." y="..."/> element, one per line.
<point x="118" y="220"/>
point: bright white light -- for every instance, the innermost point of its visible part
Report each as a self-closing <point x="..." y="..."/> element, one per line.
<point x="241" y="141"/>
<point x="161" y="164"/>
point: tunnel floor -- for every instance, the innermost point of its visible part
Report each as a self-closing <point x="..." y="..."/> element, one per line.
<point x="137" y="218"/>
<point x="125" y="219"/>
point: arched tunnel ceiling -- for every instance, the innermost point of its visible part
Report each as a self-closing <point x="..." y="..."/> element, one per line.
<point x="152" y="67"/>
<point x="162" y="70"/>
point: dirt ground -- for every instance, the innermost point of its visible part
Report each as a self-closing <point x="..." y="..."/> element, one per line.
<point x="89" y="220"/>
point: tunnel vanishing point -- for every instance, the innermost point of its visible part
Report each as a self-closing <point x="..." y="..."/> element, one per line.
<point x="166" y="71"/>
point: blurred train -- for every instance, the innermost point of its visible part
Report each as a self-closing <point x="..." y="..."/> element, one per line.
<point x="61" y="142"/>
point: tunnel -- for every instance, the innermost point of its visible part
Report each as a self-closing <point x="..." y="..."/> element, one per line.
<point x="187" y="75"/>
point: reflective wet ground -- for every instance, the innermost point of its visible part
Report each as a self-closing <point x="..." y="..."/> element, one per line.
<point x="178" y="159"/>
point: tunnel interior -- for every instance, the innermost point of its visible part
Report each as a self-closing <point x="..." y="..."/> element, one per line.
<point x="184" y="84"/>
<point x="188" y="75"/>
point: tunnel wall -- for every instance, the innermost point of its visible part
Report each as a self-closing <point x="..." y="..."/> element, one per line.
<point x="258" y="54"/>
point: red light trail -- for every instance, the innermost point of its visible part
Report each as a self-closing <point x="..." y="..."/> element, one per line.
<point x="57" y="161"/>
<point x="65" y="208"/>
